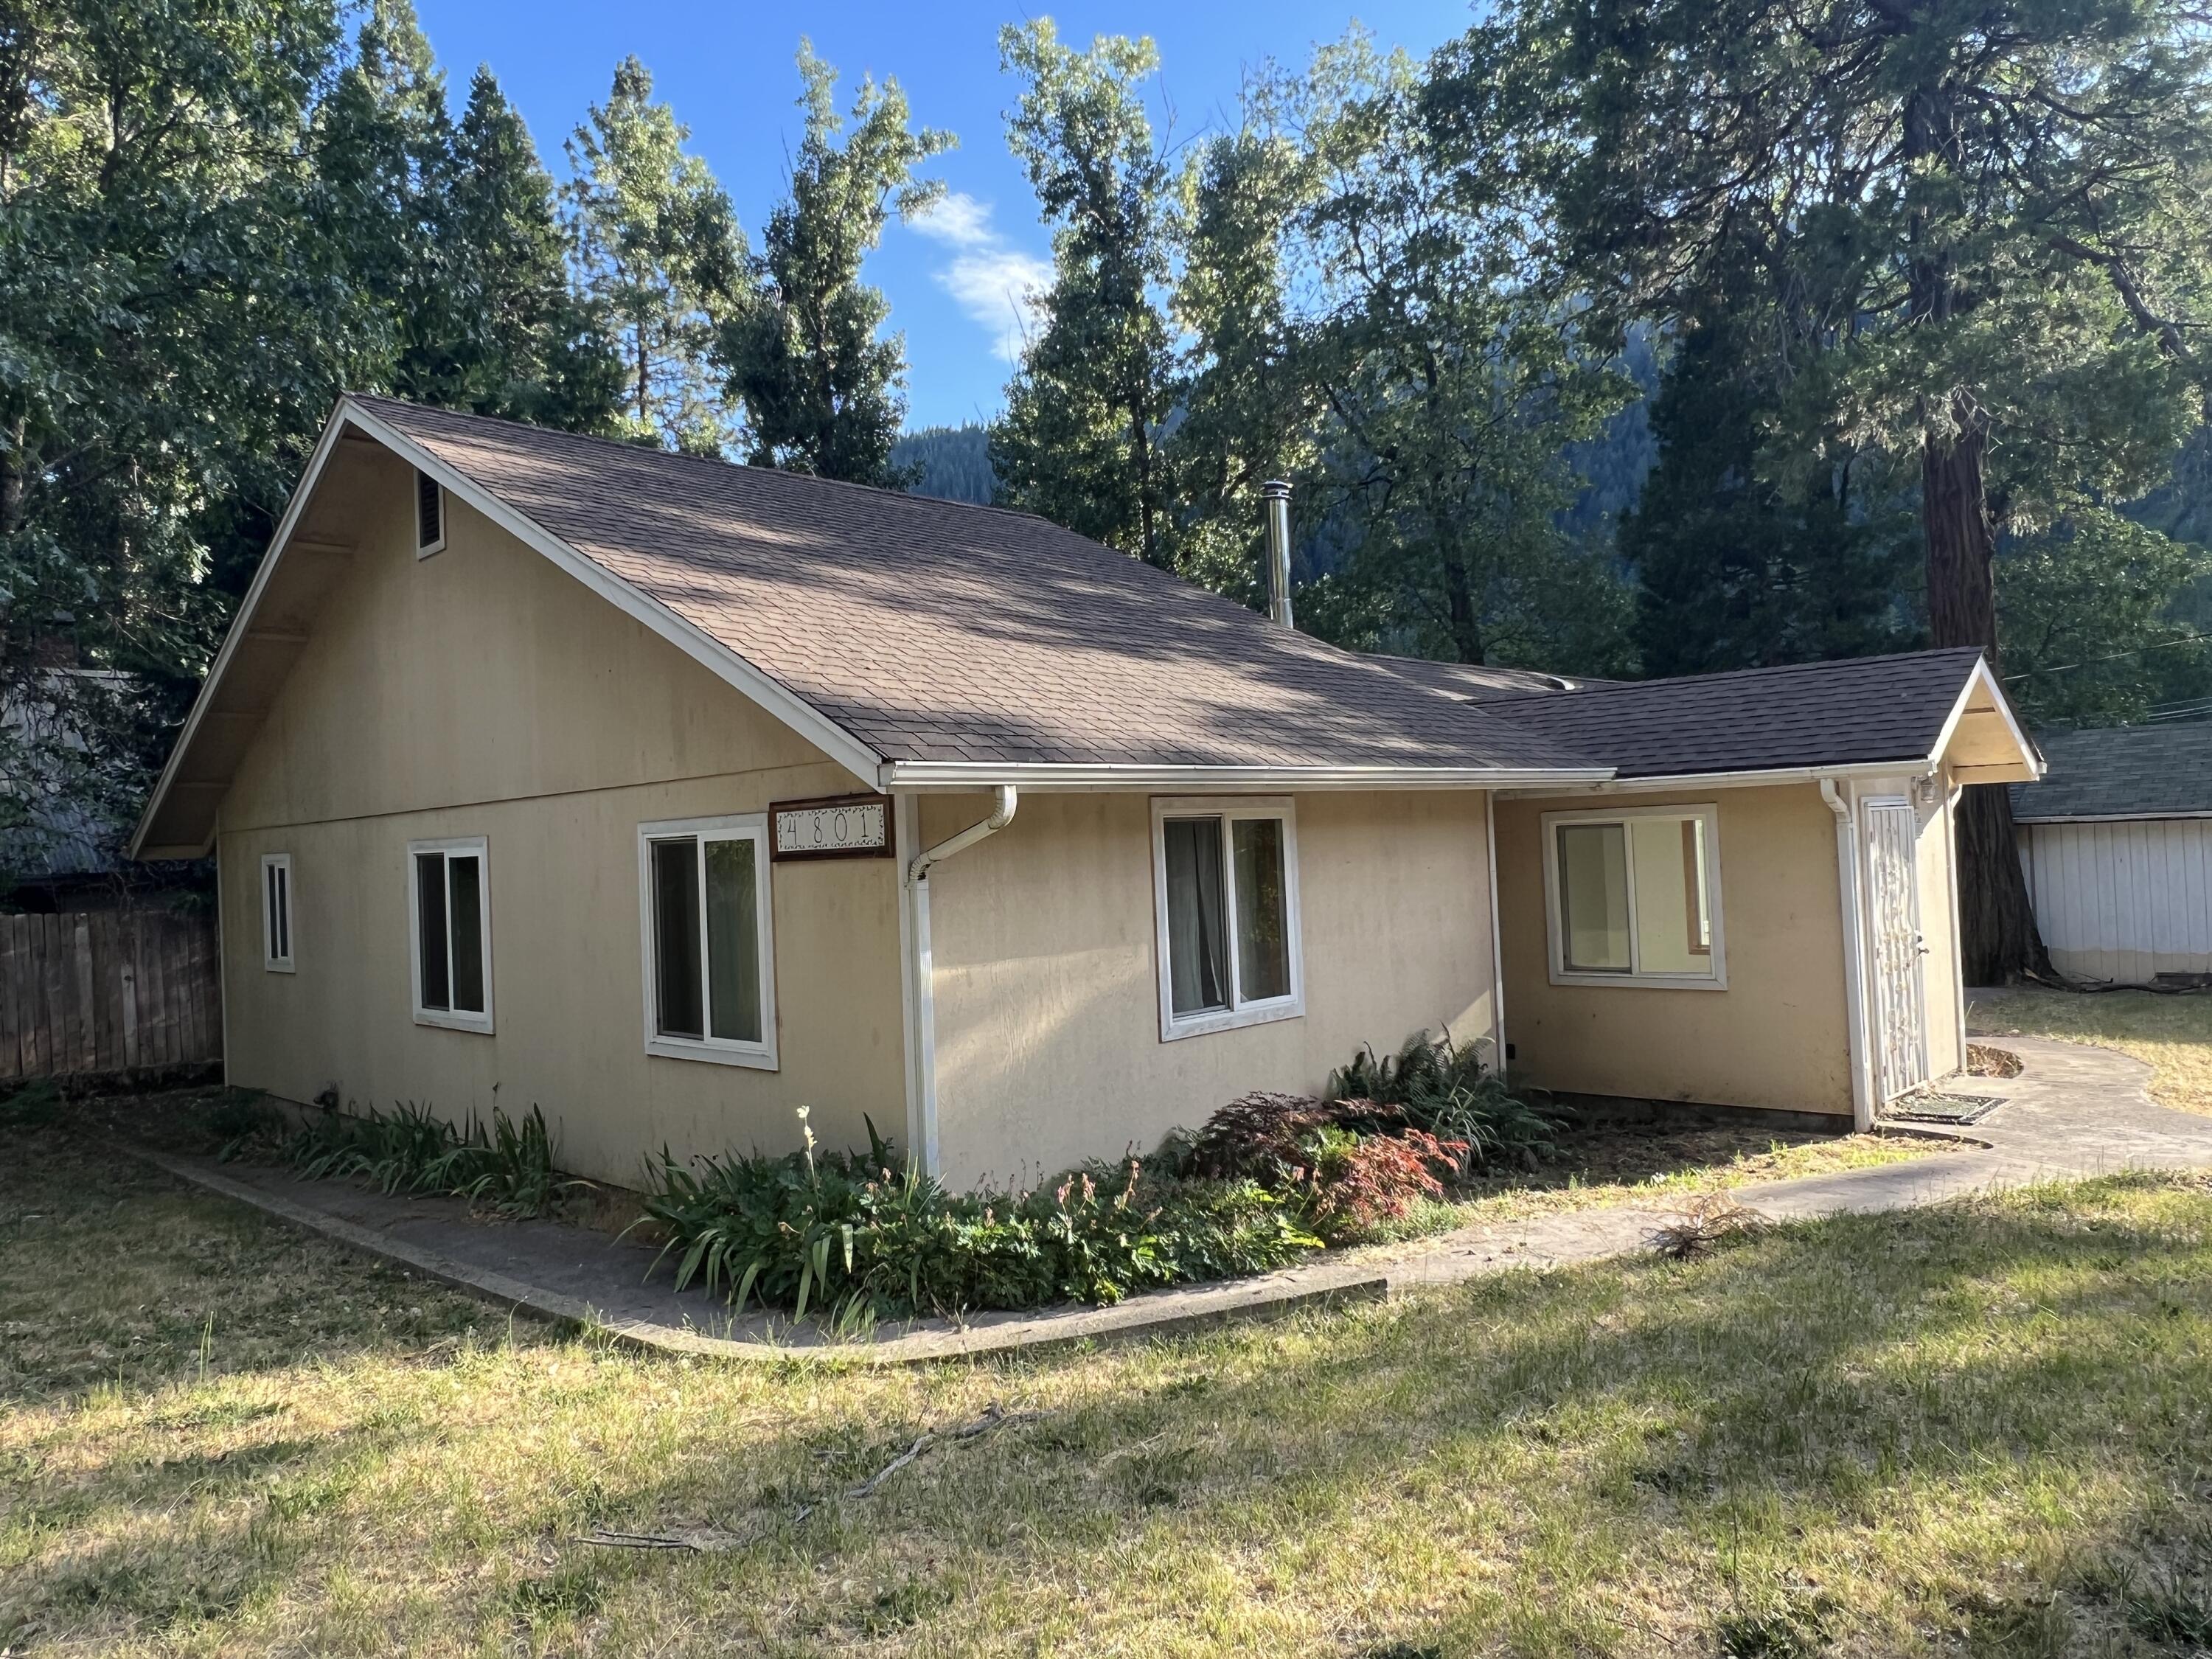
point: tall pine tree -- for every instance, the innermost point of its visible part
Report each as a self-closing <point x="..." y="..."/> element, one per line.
<point x="1734" y="569"/>
<point x="2002" y="207"/>
<point x="384" y="162"/>
<point x="518" y="341"/>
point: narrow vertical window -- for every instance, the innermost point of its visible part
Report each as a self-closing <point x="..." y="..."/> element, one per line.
<point x="452" y="925"/>
<point x="1594" y="897"/>
<point x="429" y="516"/>
<point x="1226" y="874"/>
<point x="708" y="957"/>
<point x="277" y="912"/>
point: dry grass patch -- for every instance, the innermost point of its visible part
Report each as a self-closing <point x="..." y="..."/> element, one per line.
<point x="2172" y="1033"/>
<point x="1659" y="1165"/>
<point x="1974" y="1429"/>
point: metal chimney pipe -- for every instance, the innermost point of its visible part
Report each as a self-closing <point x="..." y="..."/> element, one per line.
<point x="1275" y="500"/>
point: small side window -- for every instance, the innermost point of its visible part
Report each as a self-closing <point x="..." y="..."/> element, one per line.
<point x="709" y="955"/>
<point x="429" y="516"/>
<point x="1633" y="896"/>
<point x="1225" y="888"/>
<point x="452" y="926"/>
<point x="277" y="912"/>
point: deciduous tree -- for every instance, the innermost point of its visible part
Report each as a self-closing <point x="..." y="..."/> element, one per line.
<point x="821" y="385"/>
<point x="1080" y="440"/>
<point x="174" y="317"/>
<point x="656" y="245"/>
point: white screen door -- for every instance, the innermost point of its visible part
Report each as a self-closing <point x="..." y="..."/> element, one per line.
<point x="1893" y="900"/>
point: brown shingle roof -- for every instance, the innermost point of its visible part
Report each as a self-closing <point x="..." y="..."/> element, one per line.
<point x="1483" y="682"/>
<point x="1815" y="714"/>
<point x="938" y="631"/>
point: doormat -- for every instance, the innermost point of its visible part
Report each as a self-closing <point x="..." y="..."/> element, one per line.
<point x="1945" y="1108"/>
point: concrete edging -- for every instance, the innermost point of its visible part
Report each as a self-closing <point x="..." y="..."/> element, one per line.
<point x="1195" y="1307"/>
<point x="2074" y="1111"/>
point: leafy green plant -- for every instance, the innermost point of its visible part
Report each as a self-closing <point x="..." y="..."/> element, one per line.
<point x="1446" y="1088"/>
<point x="514" y="1168"/>
<point x="866" y="1235"/>
<point x="509" y="1166"/>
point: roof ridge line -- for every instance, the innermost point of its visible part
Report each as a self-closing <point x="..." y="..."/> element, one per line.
<point x="1735" y="673"/>
<point x="625" y="445"/>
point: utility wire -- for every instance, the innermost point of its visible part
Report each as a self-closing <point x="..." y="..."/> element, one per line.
<point x="2091" y="662"/>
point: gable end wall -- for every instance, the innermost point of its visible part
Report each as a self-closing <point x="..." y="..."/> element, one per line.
<point x="484" y="692"/>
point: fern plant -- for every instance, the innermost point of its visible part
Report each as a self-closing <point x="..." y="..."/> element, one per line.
<point x="1445" y="1088"/>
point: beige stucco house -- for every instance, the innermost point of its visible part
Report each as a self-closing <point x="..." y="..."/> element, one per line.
<point x="671" y="796"/>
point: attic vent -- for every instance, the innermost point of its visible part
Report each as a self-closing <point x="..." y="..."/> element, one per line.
<point x="429" y="516"/>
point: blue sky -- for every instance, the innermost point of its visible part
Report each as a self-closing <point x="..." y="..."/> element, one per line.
<point x="726" y="68"/>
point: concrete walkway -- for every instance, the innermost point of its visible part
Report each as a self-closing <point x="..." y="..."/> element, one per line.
<point x="2072" y="1111"/>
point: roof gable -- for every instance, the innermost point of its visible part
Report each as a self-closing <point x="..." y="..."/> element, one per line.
<point x="943" y="634"/>
<point x="1858" y="712"/>
<point x="923" y="644"/>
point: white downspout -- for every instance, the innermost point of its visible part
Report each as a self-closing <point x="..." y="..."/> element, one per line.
<point x="1497" y="941"/>
<point x="1847" y="880"/>
<point x="923" y="1129"/>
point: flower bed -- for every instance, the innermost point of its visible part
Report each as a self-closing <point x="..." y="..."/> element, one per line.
<point x="1267" y="1180"/>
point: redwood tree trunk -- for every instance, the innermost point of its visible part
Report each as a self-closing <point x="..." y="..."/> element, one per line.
<point x="1999" y="942"/>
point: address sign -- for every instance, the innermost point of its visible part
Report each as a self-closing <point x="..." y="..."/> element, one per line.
<point x="841" y="827"/>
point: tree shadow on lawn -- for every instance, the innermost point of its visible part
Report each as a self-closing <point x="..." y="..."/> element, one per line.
<point x="115" y="1276"/>
<point x="1539" y="1456"/>
<point x="1597" y="1438"/>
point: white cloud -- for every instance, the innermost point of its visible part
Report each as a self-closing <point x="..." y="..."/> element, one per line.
<point x="997" y="286"/>
<point x="959" y="219"/>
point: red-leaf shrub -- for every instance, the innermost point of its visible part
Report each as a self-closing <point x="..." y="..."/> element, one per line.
<point x="1265" y="1137"/>
<point x="1360" y="1183"/>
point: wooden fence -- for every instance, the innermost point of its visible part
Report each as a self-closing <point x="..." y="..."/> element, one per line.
<point x="107" y="991"/>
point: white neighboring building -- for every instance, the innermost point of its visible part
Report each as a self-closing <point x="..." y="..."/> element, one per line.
<point x="2116" y="842"/>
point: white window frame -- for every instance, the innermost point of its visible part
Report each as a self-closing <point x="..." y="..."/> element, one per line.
<point x="1229" y="809"/>
<point x="271" y="959"/>
<point x="447" y="1018"/>
<point x="719" y="1051"/>
<point x="1637" y="978"/>
<point x="423" y="550"/>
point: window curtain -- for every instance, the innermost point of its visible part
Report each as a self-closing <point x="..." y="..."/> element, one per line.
<point x="1198" y="975"/>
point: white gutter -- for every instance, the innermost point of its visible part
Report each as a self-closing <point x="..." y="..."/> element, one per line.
<point x="921" y="1102"/>
<point x="969" y="776"/>
<point x="1847" y="881"/>
<point x="1921" y="768"/>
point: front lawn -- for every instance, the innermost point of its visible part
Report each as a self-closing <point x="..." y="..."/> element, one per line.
<point x="1659" y="1165"/>
<point x="2171" y="1033"/>
<point x="1976" y="1429"/>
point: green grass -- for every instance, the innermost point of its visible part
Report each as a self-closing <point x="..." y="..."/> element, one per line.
<point x="1981" y="1429"/>
<point x="1655" y="1165"/>
<point x="2170" y="1033"/>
